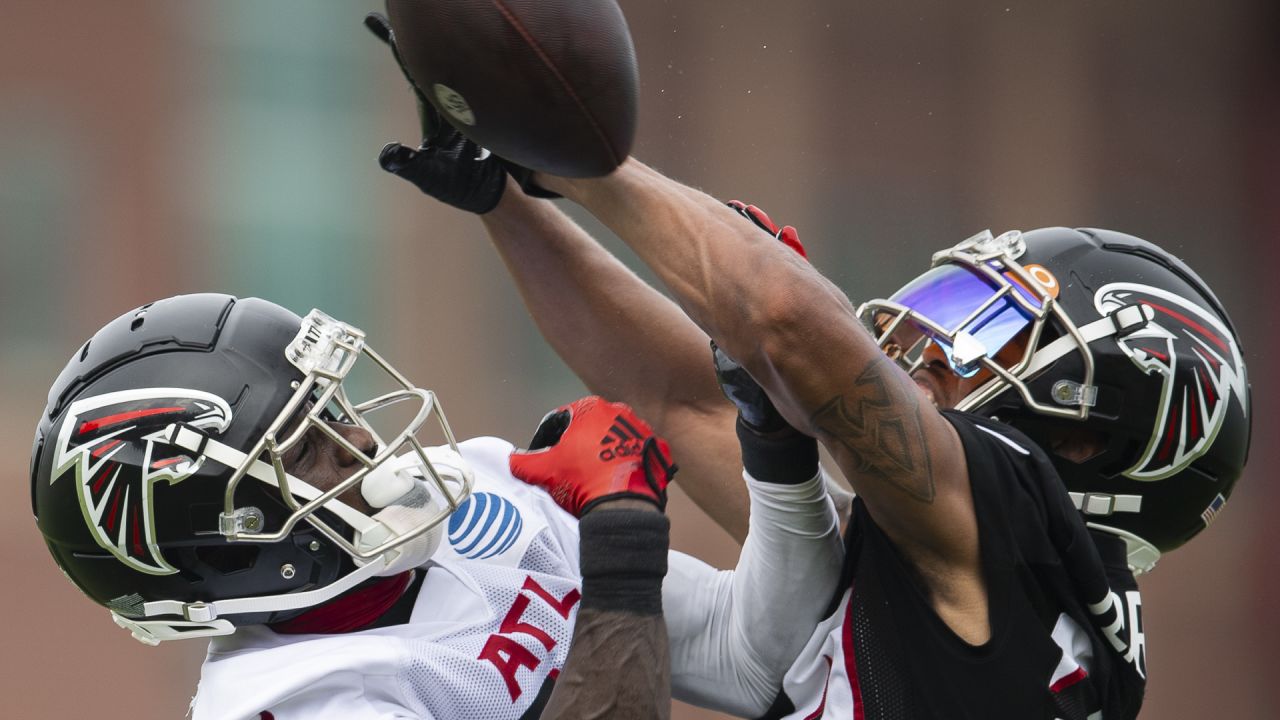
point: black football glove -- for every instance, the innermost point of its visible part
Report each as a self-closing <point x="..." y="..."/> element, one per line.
<point x="447" y="166"/>
<point x="772" y="450"/>
<point x="754" y="406"/>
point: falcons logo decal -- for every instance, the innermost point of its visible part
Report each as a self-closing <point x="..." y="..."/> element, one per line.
<point x="114" y="443"/>
<point x="1202" y="369"/>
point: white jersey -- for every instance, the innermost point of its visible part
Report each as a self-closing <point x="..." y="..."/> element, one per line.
<point x="492" y="622"/>
<point x="493" y="619"/>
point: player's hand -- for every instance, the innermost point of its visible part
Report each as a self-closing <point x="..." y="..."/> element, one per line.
<point x="446" y="165"/>
<point x="592" y="450"/>
<point x="754" y="406"/>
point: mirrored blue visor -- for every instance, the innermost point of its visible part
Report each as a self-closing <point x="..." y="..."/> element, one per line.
<point x="949" y="295"/>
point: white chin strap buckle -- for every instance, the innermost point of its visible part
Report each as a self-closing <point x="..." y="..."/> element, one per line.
<point x="401" y="492"/>
<point x="390" y="481"/>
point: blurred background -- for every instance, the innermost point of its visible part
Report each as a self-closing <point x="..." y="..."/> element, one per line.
<point x="153" y="148"/>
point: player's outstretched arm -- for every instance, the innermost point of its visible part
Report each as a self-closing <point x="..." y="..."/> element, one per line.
<point x="624" y="339"/>
<point x="796" y="333"/>
<point x="627" y="342"/>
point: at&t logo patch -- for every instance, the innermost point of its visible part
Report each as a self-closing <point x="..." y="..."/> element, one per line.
<point x="484" y="526"/>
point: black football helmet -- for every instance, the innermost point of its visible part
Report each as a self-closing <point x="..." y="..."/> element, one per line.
<point x="1122" y="339"/>
<point x="157" y="476"/>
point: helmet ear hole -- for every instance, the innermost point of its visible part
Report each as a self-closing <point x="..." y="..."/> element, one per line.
<point x="1077" y="443"/>
<point x="229" y="558"/>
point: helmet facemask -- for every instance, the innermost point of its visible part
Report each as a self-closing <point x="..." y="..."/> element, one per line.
<point x="977" y="299"/>
<point x="412" y="487"/>
<point x="327" y="352"/>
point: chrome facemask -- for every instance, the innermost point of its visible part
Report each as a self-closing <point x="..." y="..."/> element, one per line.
<point x="413" y="488"/>
<point x="326" y="351"/>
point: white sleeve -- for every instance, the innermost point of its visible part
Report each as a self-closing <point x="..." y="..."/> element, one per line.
<point x="734" y="634"/>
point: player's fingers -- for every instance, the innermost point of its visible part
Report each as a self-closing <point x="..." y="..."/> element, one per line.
<point x="583" y="407"/>
<point x="791" y="239"/>
<point x="762" y="219"/>
<point x="396" y="158"/>
<point x="533" y="468"/>
<point x="379" y="26"/>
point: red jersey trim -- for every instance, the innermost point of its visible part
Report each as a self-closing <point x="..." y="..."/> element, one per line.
<point x="817" y="713"/>
<point x="1068" y="680"/>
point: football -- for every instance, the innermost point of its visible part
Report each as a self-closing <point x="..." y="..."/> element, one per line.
<point x="548" y="84"/>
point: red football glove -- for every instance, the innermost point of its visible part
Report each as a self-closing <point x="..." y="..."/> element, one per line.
<point x="787" y="235"/>
<point x="593" y="450"/>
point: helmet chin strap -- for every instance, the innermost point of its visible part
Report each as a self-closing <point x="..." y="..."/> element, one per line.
<point x="1116" y="324"/>
<point x="1142" y="555"/>
<point x="205" y="619"/>
<point x="398" y="486"/>
<point x="1119" y="323"/>
<point x="201" y="444"/>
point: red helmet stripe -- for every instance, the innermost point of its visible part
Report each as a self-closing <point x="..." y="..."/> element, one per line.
<point x="135" y="525"/>
<point x="115" y="505"/>
<point x="102" y="477"/>
<point x="1210" y="397"/>
<point x="168" y="461"/>
<point x="105" y="447"/>
<point x="1169" y="434"/>
<point x="1193" y="415"/>
<point x="91" y="425"/>
<point x="1163" y="357"/>
<point x="1212" y="336"/>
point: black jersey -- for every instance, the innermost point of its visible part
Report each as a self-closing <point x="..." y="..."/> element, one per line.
<point x="1066" y="630"/>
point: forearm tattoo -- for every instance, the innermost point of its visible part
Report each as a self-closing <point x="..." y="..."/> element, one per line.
<point x="879" y="424"/>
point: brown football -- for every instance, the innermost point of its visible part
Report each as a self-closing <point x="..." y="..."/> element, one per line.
<point x="548" y="84"/>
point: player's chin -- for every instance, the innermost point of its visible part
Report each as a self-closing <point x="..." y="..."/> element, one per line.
<point x="926" y="388"/>
<point x="937" y="384"/>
